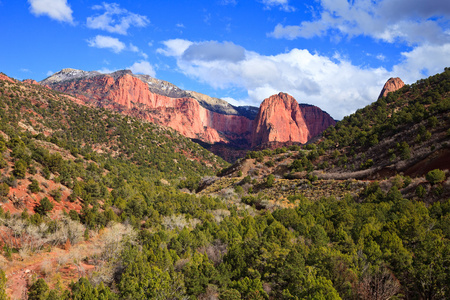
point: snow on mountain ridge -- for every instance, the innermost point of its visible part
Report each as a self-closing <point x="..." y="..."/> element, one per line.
<point x="69" y="74"/>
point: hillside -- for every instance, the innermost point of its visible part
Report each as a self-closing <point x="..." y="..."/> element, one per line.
<point x="116" y="205"/>
<point x="64" y="160"/>
<point x="405" y="133"/>
<point x="388" y="161"/>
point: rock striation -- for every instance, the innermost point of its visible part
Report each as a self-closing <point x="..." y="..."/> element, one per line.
<point x="392" y="85"/>
<point x="282" y="120"/>
<point x="279" y="119"/>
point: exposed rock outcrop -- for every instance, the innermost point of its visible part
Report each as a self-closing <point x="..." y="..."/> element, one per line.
<point x="392" y="85"/>
<point x="131" y="95"/>
<point x="281" y="119"/>
<point x="30" y="81"/>
<point x="6" y="78"/>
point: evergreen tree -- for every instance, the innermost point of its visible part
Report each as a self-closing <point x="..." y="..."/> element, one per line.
<point x="3" y="295"/>
<point x="38" y="290"/>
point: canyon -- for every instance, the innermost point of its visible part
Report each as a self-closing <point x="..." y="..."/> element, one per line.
<point x="279" y="119"/>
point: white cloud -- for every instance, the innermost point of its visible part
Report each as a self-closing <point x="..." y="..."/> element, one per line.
<point x="212" y="50"/>
<point x="106" y="70"/>
<point x="115" y="19"/>
<point x="381" y="57"/>
<point x="282" y="4"/>
<point x="49" y="73"/>
<point x="174" y="47"/>
<point x="410" y="21"/>
<point x="310" y="78"/>
<point x="142" y="67"/>
<point x="55" y="9"/>
<point x="107" y="42"/>
<point x="423" y="61"/>
<point x="133" y="48"/>
<point x="334" y="84"/>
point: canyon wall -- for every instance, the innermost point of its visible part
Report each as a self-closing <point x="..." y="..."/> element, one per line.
<point x="280" y="117"/>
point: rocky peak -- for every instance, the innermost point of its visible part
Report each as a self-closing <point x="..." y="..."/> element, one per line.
<point x="281" y="119"/>
<point x="120" y="73"/>
<point x="68" y="74"/>
<point x="392" y="85"/>
<point x="162" y="87"/>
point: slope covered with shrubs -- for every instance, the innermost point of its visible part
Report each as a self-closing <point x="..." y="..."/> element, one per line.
<point x="271" y="226"/>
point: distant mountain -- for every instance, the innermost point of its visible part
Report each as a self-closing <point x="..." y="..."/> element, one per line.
<point x="193" y="114"/>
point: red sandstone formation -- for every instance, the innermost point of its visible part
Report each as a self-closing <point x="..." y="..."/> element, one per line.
<point x="182" y="114"/>
<point x="392" y="85"/>
<point x="30" y="81"/>
<point x="281" y="119"/>
<point x="6" y="78"/>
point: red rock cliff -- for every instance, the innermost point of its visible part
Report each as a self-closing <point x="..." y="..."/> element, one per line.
<point x="281" y="119"/>
<point x="132" y="96"/>
<point x="392" y="85"/>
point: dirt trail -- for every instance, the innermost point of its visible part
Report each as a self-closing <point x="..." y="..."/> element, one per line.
<point x="67" y="263"/>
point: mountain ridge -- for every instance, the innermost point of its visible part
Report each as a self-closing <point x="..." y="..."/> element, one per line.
<point x="193" y="114"/>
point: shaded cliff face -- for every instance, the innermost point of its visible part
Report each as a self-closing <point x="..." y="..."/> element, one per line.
<point x="282" y="120"/>
<point x="392" y="85"/>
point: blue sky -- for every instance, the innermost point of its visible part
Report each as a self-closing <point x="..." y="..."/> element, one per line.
<point x="335" y="54"/>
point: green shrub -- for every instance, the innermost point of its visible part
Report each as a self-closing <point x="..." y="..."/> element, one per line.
<point x="239" y="189"/>
<point x="20" y="169"/>
<point x="420" y="191"/>
<point x="38" y="290"/>
<point x="270" y="180"/>
<point x="247" y="179"/>
<point x="34" y="186"/>
<point x="56" y="194"/>
<point x="367" y="164"/>
<point x="269" y="163"/>
<point x="3" y="295"/>
<point x="4" y="189"/>
<point x="44" y="206"/>
<point x="435" y="176"/>
<point x="3" y="163"/>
